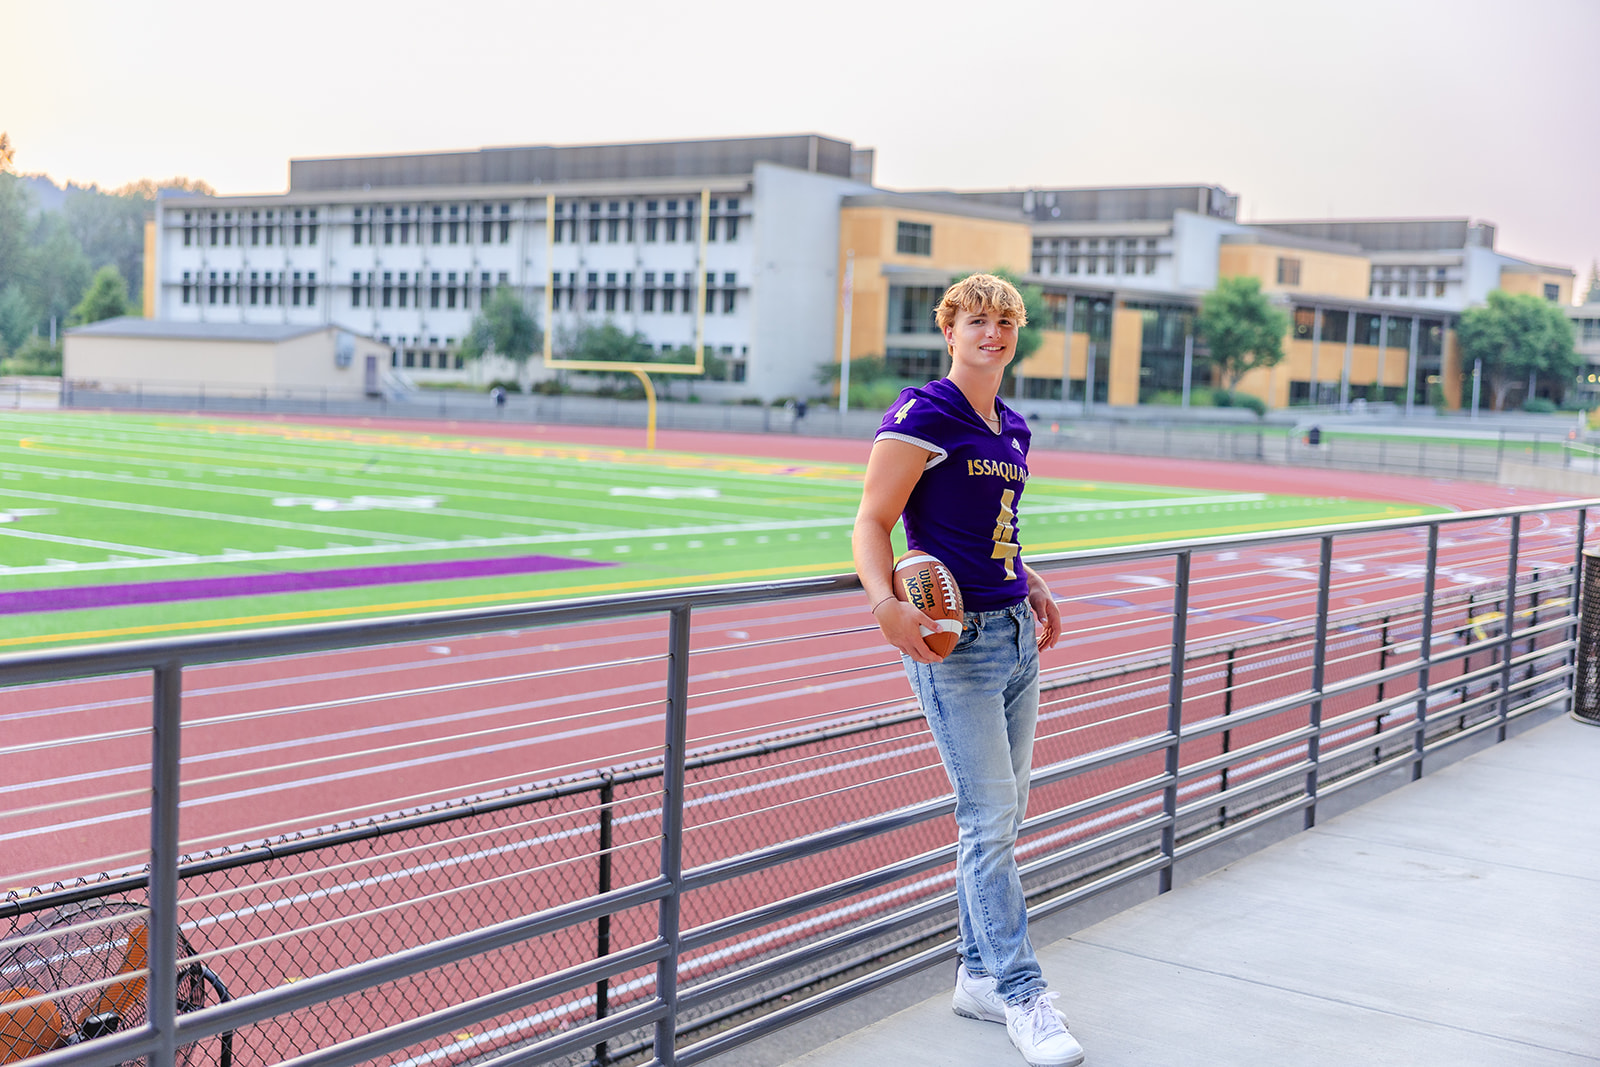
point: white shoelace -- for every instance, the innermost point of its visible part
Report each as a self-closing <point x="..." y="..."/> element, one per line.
<point x="1042" y="1018"/>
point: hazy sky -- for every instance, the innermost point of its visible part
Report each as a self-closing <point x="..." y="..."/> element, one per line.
<point x="1354" y="108"/>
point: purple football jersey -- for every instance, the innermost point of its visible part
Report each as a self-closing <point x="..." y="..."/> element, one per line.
<point x="963" y="510"/>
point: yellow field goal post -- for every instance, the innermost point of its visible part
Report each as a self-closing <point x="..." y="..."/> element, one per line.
<point x="640" y="368"/>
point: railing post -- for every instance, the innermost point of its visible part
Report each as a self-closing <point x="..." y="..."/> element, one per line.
<point x="1319" y="663"/>
<point x="1425" y="652"/>
<point x="166" y="750"/>
<point x="1509" y="621"/>
<point x="1169" y="795"/>
<point x="1575" y="629"/>
<point x="1383" y="663"/>
<point x="602" y="936"/>
<point x="1533" y="637"/>
<point x="672" y="783"/>
<point x="1227" y="735"/>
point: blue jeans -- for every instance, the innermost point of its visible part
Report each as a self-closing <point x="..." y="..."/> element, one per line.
<point x="981" y="704"/>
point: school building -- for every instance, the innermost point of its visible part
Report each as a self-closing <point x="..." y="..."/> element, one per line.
<point x="782" y="257"/>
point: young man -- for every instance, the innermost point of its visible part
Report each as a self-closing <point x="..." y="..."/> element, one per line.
<point x="951" y="460"/>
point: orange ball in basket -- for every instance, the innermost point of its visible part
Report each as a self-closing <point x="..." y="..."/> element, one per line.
<point x="927" y="585"/>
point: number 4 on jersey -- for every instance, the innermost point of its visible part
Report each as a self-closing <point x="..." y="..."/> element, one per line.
<point x="1005" y="533"/>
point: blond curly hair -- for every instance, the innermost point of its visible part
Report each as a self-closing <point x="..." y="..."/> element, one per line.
<point x="981" y="292"/>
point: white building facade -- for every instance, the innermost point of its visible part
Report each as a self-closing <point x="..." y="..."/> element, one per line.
<point x="683" y="244"/>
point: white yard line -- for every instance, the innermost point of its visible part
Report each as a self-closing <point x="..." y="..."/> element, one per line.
<point x="82" y="542"/>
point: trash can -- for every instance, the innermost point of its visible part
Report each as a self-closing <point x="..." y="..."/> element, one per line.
<point x="1314" y="435"/>
<point x="1586" y="684"/>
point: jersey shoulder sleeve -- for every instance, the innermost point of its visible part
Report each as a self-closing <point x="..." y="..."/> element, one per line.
<point x="920" y="417"/>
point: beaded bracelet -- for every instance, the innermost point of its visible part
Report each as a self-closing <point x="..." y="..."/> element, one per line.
<point x="880" y="604"/>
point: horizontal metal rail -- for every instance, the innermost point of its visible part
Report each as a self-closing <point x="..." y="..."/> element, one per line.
<point x="1121" y="794"/>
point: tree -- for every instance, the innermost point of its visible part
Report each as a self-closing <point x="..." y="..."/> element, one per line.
<point x="1242" y="328"/>
<point x="504" y="327"/>
<point x="17" y="317"/>
<point x="106" y="298"/>
<point x="1031" y="336"/>
<point x="1518" y="337"/>
<point x="1594" y="283"/>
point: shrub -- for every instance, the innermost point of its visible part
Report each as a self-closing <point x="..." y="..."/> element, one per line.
<point x="1538" y="405"/>
<point x="1226" y="398"/>
<point x="510" y="387"/>
<point x="35" y="356"/>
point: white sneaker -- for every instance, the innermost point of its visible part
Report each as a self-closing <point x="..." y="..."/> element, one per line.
<point x="1040" y="1035"/>
<point x="977" y="997"/>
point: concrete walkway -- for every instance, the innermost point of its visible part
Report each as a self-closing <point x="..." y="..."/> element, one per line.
<point x="1455" y="921"/>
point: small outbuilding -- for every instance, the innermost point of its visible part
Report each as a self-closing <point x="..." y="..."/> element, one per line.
<point x="222" y="359"/>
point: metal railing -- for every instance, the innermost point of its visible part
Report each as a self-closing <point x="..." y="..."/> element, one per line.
<point x="780" y="844"/>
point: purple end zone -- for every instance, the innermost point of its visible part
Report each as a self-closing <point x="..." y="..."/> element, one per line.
<point x="71" y="598"/>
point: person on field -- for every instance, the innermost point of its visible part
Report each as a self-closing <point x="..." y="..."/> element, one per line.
<point x="951" y="460"/>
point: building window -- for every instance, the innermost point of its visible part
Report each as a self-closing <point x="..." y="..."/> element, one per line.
<point x="272" y="228"/>
<point x="1305" y="323"/>
<point x="647" y="298"/>
<point x="1288" y="271"/>
<point x="355" y="290"/>
<point x="1552" y="292"/>
<point x="650" y="220"/>
<point x="914" y="238"/>
<point x="311" y="289"/>
<point x="185" y="287"/>
<point x="505" y="224"/>
<point x="672" y="220"/>
<point x="388" y="289"/>
<point x="1439" y="281"/>
<point x="438" y="225"/>
<point x="388" y="225"/>
<point x="311" y="228"/>
<point x="730" y="234"/>
<point x="1130" y="256"/>
<point x="450" y="288"/>
<point x="920" y="364"/>
<point x="455" y="225"/>
<point x="594" y="222"/>
<point x="267" y="288"/>
<point x="611" y="290"/>
<point x="591" y="290"/>
<point x="669" y="293"/>
<point x="1369" y="328"/>
<point x="1091" y="260"/>
<point x="911" y="308"/>
<point x="1150" y="253"/>
<point x="730" y="284"/>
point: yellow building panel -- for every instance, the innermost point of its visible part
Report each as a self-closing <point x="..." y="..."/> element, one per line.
<point x="1533" y="284"/>
<point x="149" y="280"/>
<point x="1268" y="384"/>
<point x="959" y="246"/>
<point x="1450" y="372"/>
<point x="1078" y="356"/>
<point x="1127" y="338"/>
<point x="1318" y="273"/>
<point x="1046" y="359"/>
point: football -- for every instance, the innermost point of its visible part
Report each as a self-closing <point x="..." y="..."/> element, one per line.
<point x="927" y="585"/>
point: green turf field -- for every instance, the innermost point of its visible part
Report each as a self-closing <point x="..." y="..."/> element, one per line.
<point x="127" y="527"/>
